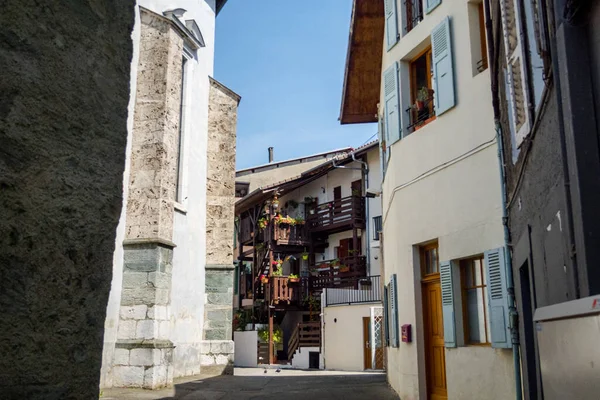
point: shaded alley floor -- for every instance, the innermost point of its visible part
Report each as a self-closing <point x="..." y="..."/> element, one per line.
<point x="254" y="383"/>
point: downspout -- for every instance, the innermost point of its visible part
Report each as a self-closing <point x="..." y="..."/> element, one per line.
<point x="513" y="316"/>
<point x="365" y="171"/>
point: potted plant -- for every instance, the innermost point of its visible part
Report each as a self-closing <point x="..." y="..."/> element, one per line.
<point x="343" y="268"/>
<point x="423" y="96"/>
<point x="299" y="221"/>
<point x="264" y="279"/>
<point x="294" y="278"/>
<point x="335" y="262"/>
<point x="263" y="222"/>
<point x="293" y="204"/>
<point x="305" y="256"/>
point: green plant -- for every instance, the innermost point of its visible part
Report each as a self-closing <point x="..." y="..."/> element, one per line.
<point x="309" y="199"/>
<point x="305" y="256"/>
<point x="300" y="221"/>
<point x="277" y="272"/>
<point x="263" y="222"/>
<point x="293" y="276"/>
<point x="423" y="94"/>
<point x="263" y="334"/>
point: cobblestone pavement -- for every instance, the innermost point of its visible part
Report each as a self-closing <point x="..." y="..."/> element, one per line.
<point x="254" y="383"/>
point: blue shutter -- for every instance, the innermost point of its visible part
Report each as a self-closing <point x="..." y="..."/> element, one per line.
<point x="382" y="149"/>
<point x="394" y="337"/>
<point x="391" y="23"/>
<point x="448" y="304"/>
<point x="495" y="266"/>
<point x="386" y="315"/>
<point x="392" y="109"/>
<point x="431" y="4"/>
<point x="443" y="71"/>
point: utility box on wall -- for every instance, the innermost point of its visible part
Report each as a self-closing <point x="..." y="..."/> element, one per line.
<point x="406" y="333"/>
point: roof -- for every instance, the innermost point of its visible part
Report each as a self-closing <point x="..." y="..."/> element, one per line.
<point x="362" y="75"/>
<point x="277" y="164"/>
<point x="264" y="192"/>
<point x="225" y="89"/>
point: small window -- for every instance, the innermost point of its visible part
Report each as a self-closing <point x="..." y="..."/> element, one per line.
<point x="413" y="14"/>
<point x="479" y="59"/>
<point x="421" y="111"/>
<point x="376" y="227"/>
<point x="429" y="259"/>
<point x="474" y="300"/>
<point x="181" y="137"/>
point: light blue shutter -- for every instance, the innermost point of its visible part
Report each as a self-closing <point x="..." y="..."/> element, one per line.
<point x="386" y="315"/>
<point x="392" y="109"/>
<point x="391" y="23"/>
<point x="448" y="303"/>
<point x="431" y="4"/>
<point x="495" y="266"/>
<point x="394" y="339"/>
<point x="443" y="71"/>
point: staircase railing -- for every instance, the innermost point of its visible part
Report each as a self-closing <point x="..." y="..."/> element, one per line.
<point x="306" y="334"/>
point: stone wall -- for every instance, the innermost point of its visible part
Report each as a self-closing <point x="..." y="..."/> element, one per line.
<point x="63" y="128"/>
<point x="217" y="353"/>
<point x="143" y="351"/>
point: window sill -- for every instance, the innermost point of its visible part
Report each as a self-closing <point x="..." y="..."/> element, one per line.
<point x="427" y="121"/>
<point x="478" y="345"/>
<point x="179" y="208"/>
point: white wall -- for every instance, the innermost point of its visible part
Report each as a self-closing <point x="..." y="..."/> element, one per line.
<point x="343" y="340"/>
<point x="374" y="206"/>
<point x="301" y="357"/>
<point x="442" y="183"/>
<point x="245" y="345"/>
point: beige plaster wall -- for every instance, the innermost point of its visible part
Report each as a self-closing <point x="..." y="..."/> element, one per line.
<point x="442" y="183"/>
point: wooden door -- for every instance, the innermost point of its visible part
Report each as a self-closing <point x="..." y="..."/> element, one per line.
<point x="337" y="196"/>
<point x="367" y="342"/>
<point x="435" y="358"/>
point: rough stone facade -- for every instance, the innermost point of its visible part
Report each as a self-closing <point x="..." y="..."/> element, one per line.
<point x="63" y="131"/>
<point x="217" y="353"/>
<point x="143" y="352"/>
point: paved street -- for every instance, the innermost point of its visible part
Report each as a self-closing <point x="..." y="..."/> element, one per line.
<point x="254" y="383"/>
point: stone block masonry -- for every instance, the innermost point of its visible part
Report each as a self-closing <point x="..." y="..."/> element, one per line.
<point x="217" y="349"/>
<point x="64" y="93"/>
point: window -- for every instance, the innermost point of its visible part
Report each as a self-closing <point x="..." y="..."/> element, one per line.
<point x="421" y="110"/>
<point x="478" y="39"/>
<point x="429" y="259"/>
<point x="182" y="108"/>
<point x="413" y="14"/>
<point x="474" y="300"/>
<point x="376" y="227"/>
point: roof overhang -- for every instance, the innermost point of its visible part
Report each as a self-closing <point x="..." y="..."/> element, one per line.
<point x="362" y="76"/>
<point x="219" y="5"/>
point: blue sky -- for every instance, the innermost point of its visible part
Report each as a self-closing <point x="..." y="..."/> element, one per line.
<point x="286" y="59"/>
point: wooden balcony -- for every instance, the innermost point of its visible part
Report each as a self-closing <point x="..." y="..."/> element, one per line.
<point x="338" y="215"/>
<point x="329" y="275"/>
<point x="282" y="290"/>
<point x="291" y="235"/>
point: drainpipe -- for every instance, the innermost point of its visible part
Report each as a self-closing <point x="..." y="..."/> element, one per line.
<point x="365" y="170"/>
<point x="513" y="316"/>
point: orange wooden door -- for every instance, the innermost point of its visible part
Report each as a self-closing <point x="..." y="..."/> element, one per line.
<point x="435" y="357"/>
<point x="367" y="342"/>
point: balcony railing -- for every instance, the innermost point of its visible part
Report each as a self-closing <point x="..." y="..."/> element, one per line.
<point x="367" y="290"/>
<point x="420" y="114"/>
<point x="336" y="214"/>
<point x="282" y="289"/>
<point x="345" y="274"/>
<point x="285" y="234"/>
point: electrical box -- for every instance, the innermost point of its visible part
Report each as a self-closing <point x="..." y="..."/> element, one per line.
<point x="406" y="333"/>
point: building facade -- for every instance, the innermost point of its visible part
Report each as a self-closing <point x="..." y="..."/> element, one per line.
<point x="444" y="250"/>
<point x="308" y="242"/>
<point x="545" y="74"/>
<point x="169" y="311"/>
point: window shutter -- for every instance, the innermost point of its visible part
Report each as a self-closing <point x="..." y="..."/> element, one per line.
<point x="515" y="60"/>
<point x="448" y="304"/>
<point x="443" y="70"/>
<point x="394" y="339"/>
<point x="382" y="146"/>
<point x="495" y="266"/>
<point x="391" y="23"/>
<point x="386" y="315"/>
<point x="392" y="110"/>
<point x="431" y="4"/>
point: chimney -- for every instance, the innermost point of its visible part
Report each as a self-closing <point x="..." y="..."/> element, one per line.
<point x="270" y="154"/>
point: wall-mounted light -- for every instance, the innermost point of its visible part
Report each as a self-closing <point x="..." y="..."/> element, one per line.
<point x="323" y="189"/>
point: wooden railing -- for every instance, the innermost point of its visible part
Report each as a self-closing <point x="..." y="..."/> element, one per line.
<point x="307" y="334"/>
<point x="283" y="290"/>
<point x="291" y="234"/>
<point x="334" y="214"/>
